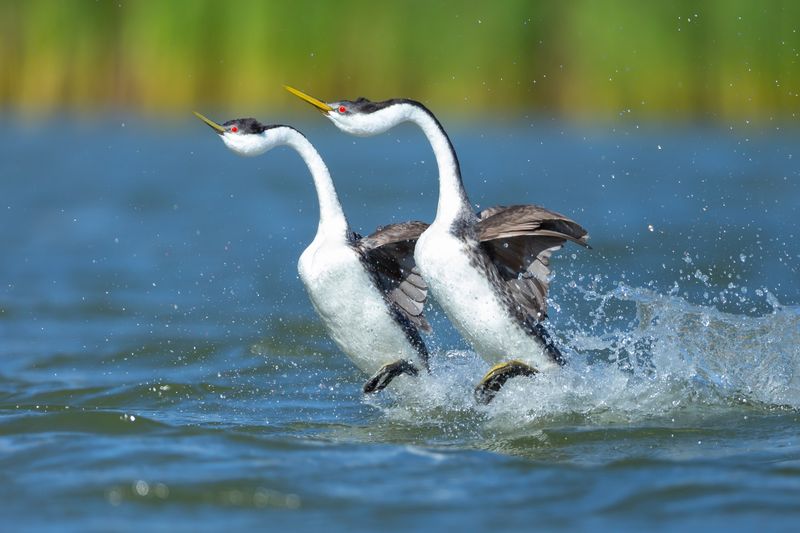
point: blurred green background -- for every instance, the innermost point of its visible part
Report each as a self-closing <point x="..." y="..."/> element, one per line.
<point x="707" y="61"/>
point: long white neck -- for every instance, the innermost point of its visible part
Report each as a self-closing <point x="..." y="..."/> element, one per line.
<point x="453" y="202"/>
<point x="332" y="222"/>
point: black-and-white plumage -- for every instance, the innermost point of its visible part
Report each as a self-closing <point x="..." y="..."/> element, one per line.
<point x="389" y="254"/>
<point x="519" y="241"/>
<point x="489" y="271"/>
<point x="367" y="290"/>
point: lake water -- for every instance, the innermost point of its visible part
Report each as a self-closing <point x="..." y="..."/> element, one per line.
<point x="162" y="367"/>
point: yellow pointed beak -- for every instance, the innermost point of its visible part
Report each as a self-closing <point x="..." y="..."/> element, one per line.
<point x="216" y="127"/>
<point x="322" y="106"/>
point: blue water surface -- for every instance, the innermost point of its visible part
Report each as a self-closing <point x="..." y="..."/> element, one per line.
<point x="163" y="369"/>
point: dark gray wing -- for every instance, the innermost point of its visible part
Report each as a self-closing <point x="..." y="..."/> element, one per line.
<point x="519" y="240"/>
<point x="389" y="254"/>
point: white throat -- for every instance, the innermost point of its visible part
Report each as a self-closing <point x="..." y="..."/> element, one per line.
<point x="332" y="222"/>
<point x="453" y="200"/>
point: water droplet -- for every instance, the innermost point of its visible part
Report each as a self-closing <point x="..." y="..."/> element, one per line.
<point x="141" y="487"/>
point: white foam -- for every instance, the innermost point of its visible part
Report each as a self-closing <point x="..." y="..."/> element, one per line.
<point x="668" y="357"/>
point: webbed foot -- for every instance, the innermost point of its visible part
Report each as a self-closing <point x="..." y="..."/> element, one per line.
<point x="387" y="373"/>
<point x="494" y="380"/>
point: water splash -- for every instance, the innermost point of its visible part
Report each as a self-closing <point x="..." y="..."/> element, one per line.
<point x="642" y="356"/>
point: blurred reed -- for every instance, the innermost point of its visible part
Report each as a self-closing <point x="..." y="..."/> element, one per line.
<point x="714" y="60"/>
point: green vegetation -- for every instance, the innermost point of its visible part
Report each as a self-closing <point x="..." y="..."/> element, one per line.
<point x="709" y="60"/>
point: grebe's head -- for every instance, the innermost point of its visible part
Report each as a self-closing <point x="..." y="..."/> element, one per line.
<point x="246" y="136"/>
<point x="362" y="117"/>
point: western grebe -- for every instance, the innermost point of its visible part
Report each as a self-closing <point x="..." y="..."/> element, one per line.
<point x="489" y="271"/>
<point x="366" y="290"/>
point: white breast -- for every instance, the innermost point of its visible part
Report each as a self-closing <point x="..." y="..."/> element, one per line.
<point x="471" y="302"/>
<point x="351" y="307"/>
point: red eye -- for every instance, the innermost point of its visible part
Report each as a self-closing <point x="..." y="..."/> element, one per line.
<point x="234" y="129"/>
<point x="342" y="109"/>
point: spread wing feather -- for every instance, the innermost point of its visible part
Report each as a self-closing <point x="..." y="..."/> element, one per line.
<point x="390" y="252"/>
<point x="519" y="240"/>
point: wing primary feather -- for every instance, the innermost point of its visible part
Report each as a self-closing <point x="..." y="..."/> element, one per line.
<point x="389" y="254"/>
<point x="519" y="241"/>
